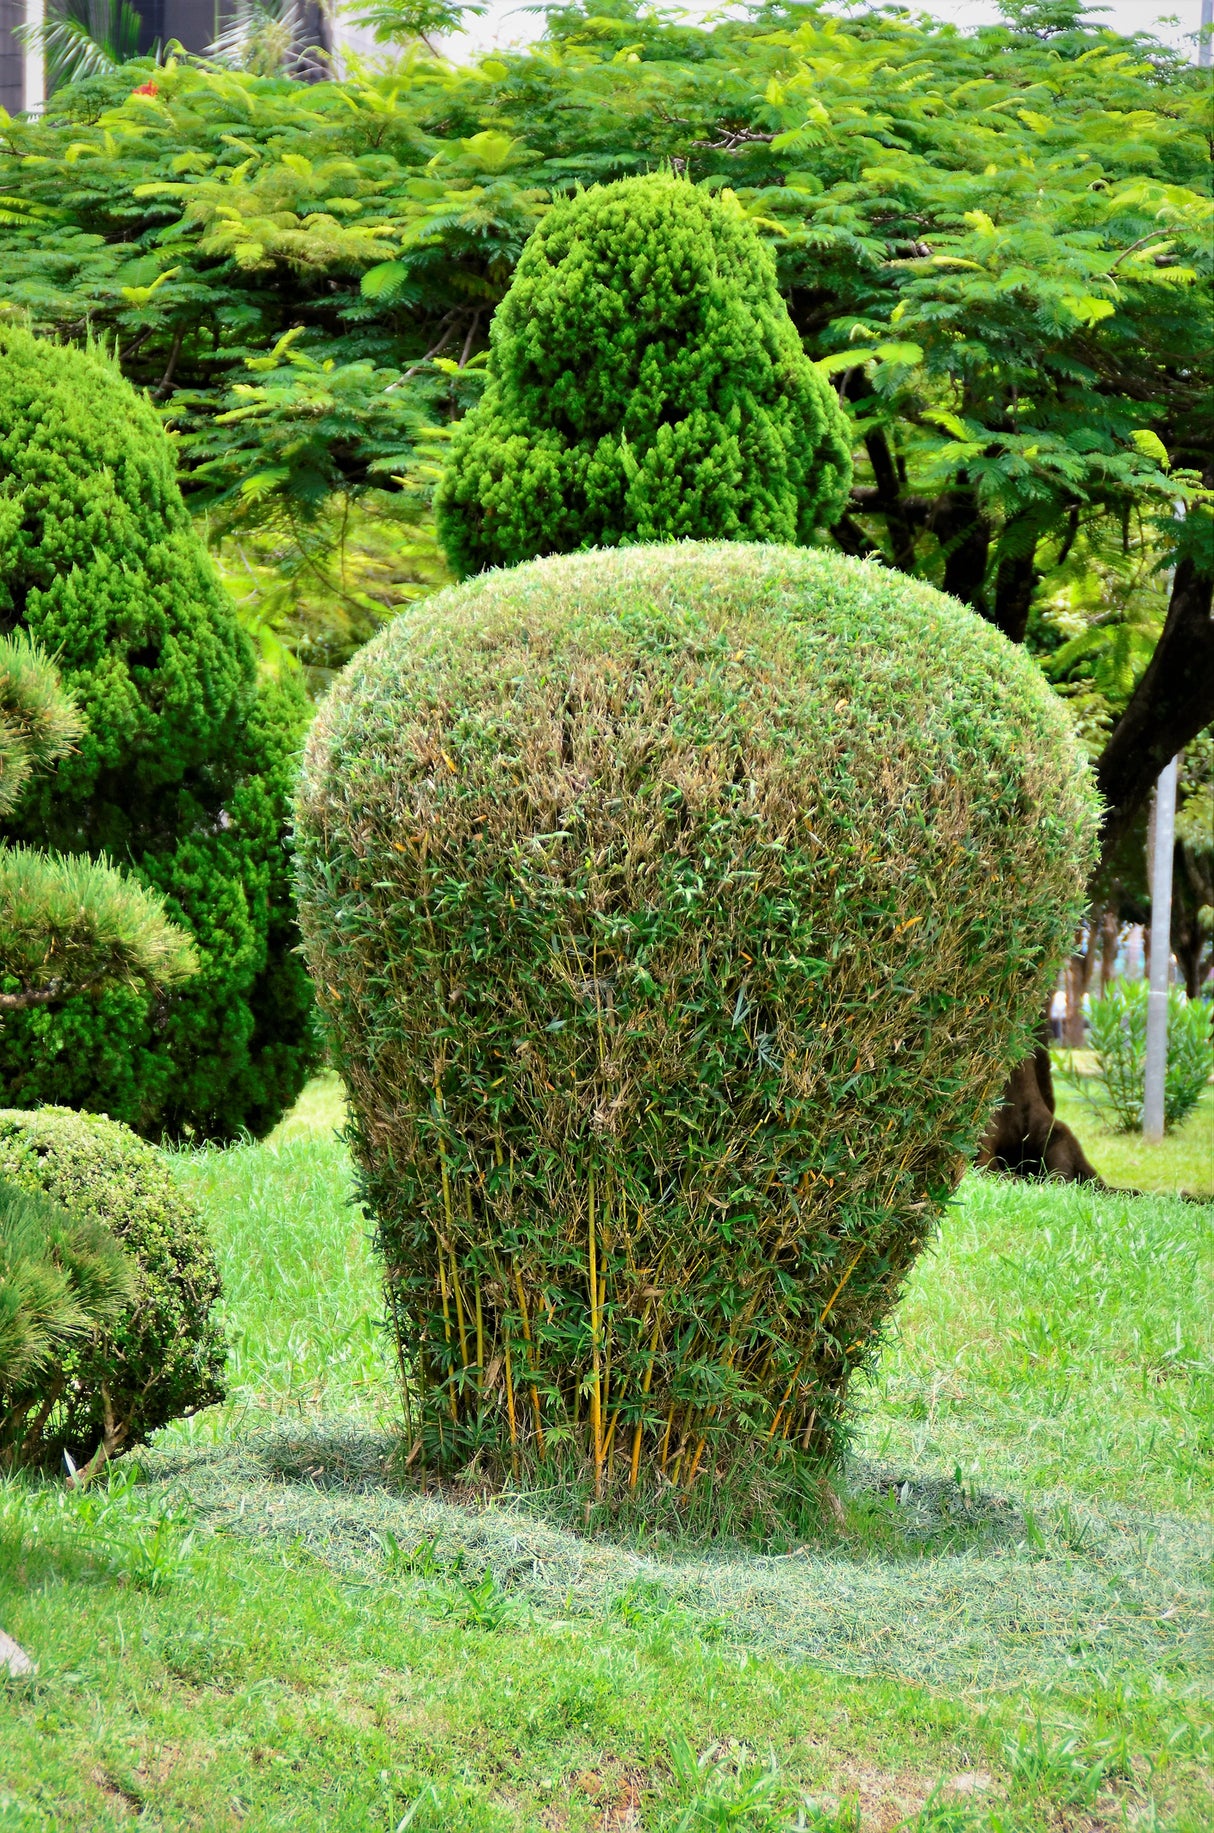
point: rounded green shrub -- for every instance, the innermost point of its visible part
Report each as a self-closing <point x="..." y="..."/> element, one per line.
<point x="164" y="1357"/>
<point x="645" y="383"/>
<point x="182" y="774"/>
<point x="675" y="915"/>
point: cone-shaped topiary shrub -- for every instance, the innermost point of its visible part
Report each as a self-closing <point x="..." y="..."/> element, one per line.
<point x="181" y="776"/>
<point x="163" y="1357"/>
<point x="675" y="915"/>
<point x="645" y="383"/>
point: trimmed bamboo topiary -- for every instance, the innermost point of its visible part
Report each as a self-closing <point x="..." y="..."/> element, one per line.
<point x="675" y="914"/>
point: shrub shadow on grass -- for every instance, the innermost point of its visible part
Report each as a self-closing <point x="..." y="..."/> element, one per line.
<point x="869" y="1510"/>
<point x="925" y="1581"/>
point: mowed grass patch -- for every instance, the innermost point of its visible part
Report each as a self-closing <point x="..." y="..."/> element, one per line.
<point x="206" y="1683"/>
<point x="1010" y="1630"/>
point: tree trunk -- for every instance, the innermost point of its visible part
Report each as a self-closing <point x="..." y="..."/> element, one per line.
<point x="1193" y="888"/>
<point x="1078" y="974"/>
<point x="1171" y="704"/>
<point x="1023" y="1136"/>
<point x="1110" y="942"/>
<point x="1015" y="582"/>
<point x="965" y="535"/>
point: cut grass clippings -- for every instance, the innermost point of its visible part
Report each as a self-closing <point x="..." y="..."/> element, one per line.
<point x="1007" y="1629"/>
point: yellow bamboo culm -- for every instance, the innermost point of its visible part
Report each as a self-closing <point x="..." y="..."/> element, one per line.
<point x="635" y="1465"/>
<point x="666" y="1439"/>
<point x="442" y="1285"/>
<point x="851" y="1267"/>
<point x="596" y="1416"/>
<point x="450" y="1220"/>
<point x="510" y="1408"/>
<point x="459" y="1307"/>
<point x="480" y="1343"/>
<point x="535" y="1396"/>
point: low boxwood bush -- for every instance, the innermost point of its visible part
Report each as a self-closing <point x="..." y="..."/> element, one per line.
<point x="164" y="1356"/>
<point x="675" y="914"/>
<point x="646" y="383"/>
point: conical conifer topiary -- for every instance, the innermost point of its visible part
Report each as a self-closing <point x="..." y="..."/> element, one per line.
<point x="645" y="384"/>
<point x="180" y="776"/>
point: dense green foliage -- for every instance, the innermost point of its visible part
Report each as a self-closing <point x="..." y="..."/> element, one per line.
<point x="67" y="925"/>
<point x="181" y="772"/>
<point x="164" y="1356"/>
<point x="63" y="1278"/>
<point x="998" y="239"/>
<point x="645" y="383"/>
<point x="675" y="914"/>
<point x="1119" y="1038"/>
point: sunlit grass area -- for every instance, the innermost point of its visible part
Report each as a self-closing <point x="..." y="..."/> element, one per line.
<point x="1182" y="1160"/>
<point x="1002" y="1625"/>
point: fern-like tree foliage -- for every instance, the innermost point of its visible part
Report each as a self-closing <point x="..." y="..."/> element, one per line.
<point x="645" y="383"/>
<point x="180" y="773"/>
<point x="67" y="925"/>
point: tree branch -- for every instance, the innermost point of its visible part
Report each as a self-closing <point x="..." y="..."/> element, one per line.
<point x="1171" y="704"/>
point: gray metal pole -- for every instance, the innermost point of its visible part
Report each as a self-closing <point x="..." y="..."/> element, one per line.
<point x="1207" y="26"/>
<point x="1161" y="951"/>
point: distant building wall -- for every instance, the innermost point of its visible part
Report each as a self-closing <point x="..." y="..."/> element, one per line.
<point x="193" y="23"/>
<point x="12" y="57"/>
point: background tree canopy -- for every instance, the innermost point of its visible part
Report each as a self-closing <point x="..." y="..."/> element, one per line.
<point x="996" y="243"/>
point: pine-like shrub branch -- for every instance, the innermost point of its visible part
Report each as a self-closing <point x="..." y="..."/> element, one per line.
<point x="39" y="722"/>
<point x="63" y="1279"/>
<point x="70" y="926"/>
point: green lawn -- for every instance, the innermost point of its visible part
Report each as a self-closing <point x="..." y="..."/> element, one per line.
<point x="1184" y="1160"/>
<point x="1007" y="1627"/>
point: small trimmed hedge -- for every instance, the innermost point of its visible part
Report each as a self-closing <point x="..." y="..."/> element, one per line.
<point x="675" y="914"/>
<point x="165" y="1357"/>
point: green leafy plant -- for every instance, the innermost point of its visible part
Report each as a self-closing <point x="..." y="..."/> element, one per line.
<point x="179" y="768"/>
<point x="673" y="925"/>
<point x="1118" y="1028"/>
<point x="645" y="383"/>
<point x="163" y="1356"/>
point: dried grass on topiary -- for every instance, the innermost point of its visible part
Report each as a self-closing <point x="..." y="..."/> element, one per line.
<point x="675" y="914"/>
<point x="163" y="1358"/>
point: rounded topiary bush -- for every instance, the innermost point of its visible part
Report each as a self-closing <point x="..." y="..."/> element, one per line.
<point x="675" y="915"/>
<point x="645" y="383"/>
<point x="182" y="774"/>
<point x="165" y="1357"/>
